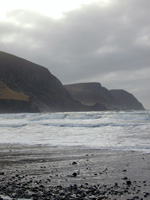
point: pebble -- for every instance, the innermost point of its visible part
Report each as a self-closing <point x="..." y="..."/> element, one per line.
<point x="74" y="174"/>
<point x="74" y="163"/>
<point x="128" y="182"/>
<point x="18" y="188"/>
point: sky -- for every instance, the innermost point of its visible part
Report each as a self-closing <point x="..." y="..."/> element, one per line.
<point x="106" y="41"/>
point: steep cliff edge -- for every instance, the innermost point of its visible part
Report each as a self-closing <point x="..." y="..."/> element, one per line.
<point x="28" y="87"/>
<point x="92" y="93"/>
<point x="126" y="100"/>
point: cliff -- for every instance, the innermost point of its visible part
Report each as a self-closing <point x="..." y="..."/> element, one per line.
<point x="126" y="100"/>
<point x="28" y="87"/>
<point x="92" y="93"/>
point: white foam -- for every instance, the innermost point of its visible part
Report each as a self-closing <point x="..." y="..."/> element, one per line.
<point x="109" y="130"/>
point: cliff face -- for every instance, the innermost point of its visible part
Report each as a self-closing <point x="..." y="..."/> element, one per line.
<point x="25" y="86"/>
<point x="92" y="93"/>
<point x="28" y="87"/>
<point x="126" y="100"/>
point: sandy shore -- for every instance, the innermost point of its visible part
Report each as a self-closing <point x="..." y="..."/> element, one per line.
<point x="42" y="173"/>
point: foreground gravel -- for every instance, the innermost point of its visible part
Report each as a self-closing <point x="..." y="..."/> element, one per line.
<point x="46" y="173"/>
<point x="15" y="190"/>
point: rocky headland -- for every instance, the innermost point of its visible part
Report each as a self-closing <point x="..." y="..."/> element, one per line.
<point x="29" y="87"/>
<point x="93" y="93"/>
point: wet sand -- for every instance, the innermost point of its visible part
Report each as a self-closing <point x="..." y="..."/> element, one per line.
<point x="42" y="173"/>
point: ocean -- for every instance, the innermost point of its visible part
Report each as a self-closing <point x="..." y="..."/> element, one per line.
<point x="122" y="130"/>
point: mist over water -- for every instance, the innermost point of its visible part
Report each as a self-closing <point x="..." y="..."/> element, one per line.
<point x="102" y="130"/>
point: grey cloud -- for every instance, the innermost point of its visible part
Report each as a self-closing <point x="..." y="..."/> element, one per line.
<point x="89" y="43"/>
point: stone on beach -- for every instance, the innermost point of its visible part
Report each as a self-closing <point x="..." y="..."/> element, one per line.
<point x="42" y="173"/>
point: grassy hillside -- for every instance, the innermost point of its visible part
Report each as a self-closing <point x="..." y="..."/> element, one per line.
<point x="7" y="93"/>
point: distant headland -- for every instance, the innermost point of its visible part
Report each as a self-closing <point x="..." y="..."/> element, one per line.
<point x="29" y="87"/>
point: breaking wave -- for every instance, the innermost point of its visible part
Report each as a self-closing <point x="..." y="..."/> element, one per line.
<point x="110" y="130"/>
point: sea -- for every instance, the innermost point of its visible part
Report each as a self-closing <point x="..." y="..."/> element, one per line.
<point x="109" y="130"/>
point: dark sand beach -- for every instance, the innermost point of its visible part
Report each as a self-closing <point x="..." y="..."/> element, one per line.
<point x="42" y="173"/>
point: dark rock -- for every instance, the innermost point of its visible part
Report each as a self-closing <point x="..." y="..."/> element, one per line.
<point x="125" y="178"/>
<point x="74" y="174"/>
<point x="74" y="163"/>
<point x="128" y="182"/>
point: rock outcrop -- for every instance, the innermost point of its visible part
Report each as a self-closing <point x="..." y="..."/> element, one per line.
<point x="93" y="93"/>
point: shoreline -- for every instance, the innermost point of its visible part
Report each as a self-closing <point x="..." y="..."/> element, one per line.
<point x="46" y="172"/>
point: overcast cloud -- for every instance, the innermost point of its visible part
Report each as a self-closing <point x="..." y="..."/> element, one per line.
<point x="108" y="44"/>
